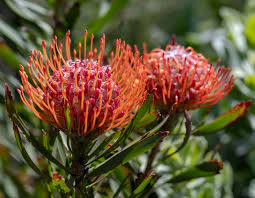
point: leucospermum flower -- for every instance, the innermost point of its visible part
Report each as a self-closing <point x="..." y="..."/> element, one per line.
<point x="100" y="97"/>
<point x="182" y="79"/>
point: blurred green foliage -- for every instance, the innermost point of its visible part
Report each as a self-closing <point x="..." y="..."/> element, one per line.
<point x="218" y="29"/>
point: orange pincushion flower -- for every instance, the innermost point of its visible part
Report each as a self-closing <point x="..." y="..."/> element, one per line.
<point x="99" y="97"/>
<point x="180" y="78"/>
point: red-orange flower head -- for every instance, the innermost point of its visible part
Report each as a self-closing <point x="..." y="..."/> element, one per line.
<point x="180" y="78"/>
<point x="100" y="97"/>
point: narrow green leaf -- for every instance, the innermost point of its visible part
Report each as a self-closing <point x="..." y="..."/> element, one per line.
<point x="104" y="143"/>
<point x="147" y="119"/>
<point x="61" y="148"/>
<point x="99" y="179"/>
<point x="47" y="146"/>
<point x="8" y="56"/>
<point x="96" y="25"/>
<point x="11" y="33"/>
<point x="148" y="113"/>
<point x="68" y="121"/>
<point x="156" y="128"/>
<point x="129" y="128"/>
<point x="224" y="120"/>
<point x="23" y="9"/>
<point x="72" y="15"/>
<point x="144" y="184"/>
<point x="129" y="152"/>
<point x="144" y="109"/>
<point x="68" y="118"/>
<point x="121" y="187"/>
<point x="187" y="134"/>
<point x="45" y="140"/>
<point x="10" y="107"/>
<point x="24" y="152"/>
<point x="31" y="138"/>
<point x="52" y="135"/>
<point x="250" y="29"/>
<point x="204" y="169"/>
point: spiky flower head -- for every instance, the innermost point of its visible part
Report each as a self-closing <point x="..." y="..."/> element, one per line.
<point x="182" y="79"/>
<point x="98" y="96"/>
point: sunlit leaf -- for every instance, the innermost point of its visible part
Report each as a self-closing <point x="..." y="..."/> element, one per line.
<point x="224" y="120"/>
<point x="250" y="29"/>
<point x="250" y="81"/>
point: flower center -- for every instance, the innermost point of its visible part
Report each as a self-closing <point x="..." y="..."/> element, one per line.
<point x="83" y="86"/>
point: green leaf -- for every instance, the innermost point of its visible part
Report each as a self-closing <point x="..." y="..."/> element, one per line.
<point x="147" y="119"/>
<point x="61" y="148"/>
<point x="27" y="10"/>
<point x="8" y="56"/>
<point x="121" y="187"/>
<point x="11" y="34"/>
<point x="224" y="120"/>
<point x="205" y="169"/>
<point x="156" y="128"/>
<point x="31" y="138"/>
<point x="52" y="135"/>
<point x="96" y="25"/>
<point x="68" y="121"/>
<point x="131" y="151"/>
<point x="72" y="15"/>
<point x="104" y="143"/>
<point x="250" y="29"/>
<point x="129" y="128"/>
<point x="24" y="152"/>
<point x="10" y="107"/>
<point x="149" y="114"/>
<point x="144" y="109"/>
<point x="187" y="134"/>
<point x="250" y="81"/>
<point x="143" y="184"/>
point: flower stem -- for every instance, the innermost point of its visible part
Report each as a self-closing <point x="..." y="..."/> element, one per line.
<point x="169" y="126"/>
